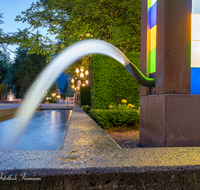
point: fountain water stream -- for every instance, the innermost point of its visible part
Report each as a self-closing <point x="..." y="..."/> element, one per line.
<point x="53" y="70"/>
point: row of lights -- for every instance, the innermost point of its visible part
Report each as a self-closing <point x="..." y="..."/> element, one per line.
<point x="82" y="75"/>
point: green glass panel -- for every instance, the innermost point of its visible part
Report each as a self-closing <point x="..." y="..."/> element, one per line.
<point x="153" y="61"/>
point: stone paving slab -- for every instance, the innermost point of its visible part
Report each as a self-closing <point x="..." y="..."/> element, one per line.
<point x="89" y="159"/>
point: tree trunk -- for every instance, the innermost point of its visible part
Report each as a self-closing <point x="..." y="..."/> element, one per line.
<point x="2" y="96"/>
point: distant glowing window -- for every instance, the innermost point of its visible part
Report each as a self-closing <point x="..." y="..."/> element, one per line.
<point x="195" y="48"/>
<point x="151" y="35"/>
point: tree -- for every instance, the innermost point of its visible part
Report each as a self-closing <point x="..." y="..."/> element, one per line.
<point x="25" y="83"/>
<point x="23" y="62"/>
<point x="19" y="55"/>
<point x="66" y="86"/>
<point x="6" y="38"/>
<point x="26" y="66"/>
<point x="64" y="93"/>
<point x="3" y="90"/>
<point x="53" y="88"/>
<point x="81" y="63"/>
<point x="4" y="64"/>
<point x="115" y="21"/>
<point x="70" y="92"/>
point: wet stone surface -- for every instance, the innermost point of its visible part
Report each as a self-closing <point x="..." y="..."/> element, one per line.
<point x="88" y="151"/>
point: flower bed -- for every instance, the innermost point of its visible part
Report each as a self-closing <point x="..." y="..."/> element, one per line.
<point x="108" y="117"/>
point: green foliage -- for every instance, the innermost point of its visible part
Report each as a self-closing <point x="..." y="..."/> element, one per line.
<point x="25" y="83"/>
<point x="66" y="86"/>
<point x="122" y="106"/>
<point x="70" y="92"/>
<point x="64" y="93"/>
<point x="108" y="118"/>
<point x="3" y="88"/>
<point x="110" y="82"/>
<point x="5" y="38"/>
<point x="26" y="66"/>
<point x="81" y="63"/>
<point x="85" y="96"/>
<point x="4" y="66"/>
<point x="19" y="55"/>
<point x="32" y="63"/>
<point x="86" y="109"/>
<point x="53" y="88"/>
<point x="115" y="21"/>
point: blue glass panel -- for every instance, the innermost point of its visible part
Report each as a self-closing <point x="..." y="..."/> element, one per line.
<point x="148" y="19"/>
<point x="195" y="80"/>
<point x="153" y="15"/>
<point x="195" y="6"/>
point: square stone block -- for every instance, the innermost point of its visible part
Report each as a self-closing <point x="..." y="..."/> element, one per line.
<point x="170" y="120"/>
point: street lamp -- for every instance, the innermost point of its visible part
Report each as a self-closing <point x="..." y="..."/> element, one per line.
<point x="53" y="95"/>
<point x="78" y="78"/>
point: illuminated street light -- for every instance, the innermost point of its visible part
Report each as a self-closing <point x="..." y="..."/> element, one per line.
<point x="53" y="94"/>
<point x="77" y="70"/>
<point x="58" y="96"/>
<point x="86" y="72"/>
<point x="81" y="75"/>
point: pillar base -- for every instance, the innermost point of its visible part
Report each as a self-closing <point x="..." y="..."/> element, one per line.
<point x="168" y="120"/>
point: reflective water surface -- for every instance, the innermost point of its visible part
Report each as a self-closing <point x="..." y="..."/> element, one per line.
<point x="45" y="131"/>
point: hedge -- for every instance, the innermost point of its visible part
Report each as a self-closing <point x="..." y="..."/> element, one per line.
<point x="108" y="118"/>
<point x="85" y="96"/>
<point x="110" y="82"/>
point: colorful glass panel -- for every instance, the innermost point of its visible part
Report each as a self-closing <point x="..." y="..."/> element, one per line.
<point x="151" y="35"/>
<point x="195" y="47"/>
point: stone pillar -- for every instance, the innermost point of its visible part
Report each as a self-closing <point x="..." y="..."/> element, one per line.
<point x="170" y="116"/>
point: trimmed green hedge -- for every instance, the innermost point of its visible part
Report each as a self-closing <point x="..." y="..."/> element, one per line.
<point x="110" y="82"/>
<point x="108" y="118"/>
<point x="85" y="96"/>
<point x="86" y="109"/>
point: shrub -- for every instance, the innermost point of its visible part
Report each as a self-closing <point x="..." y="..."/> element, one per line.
<point x="85" y="96"/>
<point x="86" y="108"/>
<point x="3" y="88"/>
<point x="110" y="117"/>
<point x="110" y="82"/>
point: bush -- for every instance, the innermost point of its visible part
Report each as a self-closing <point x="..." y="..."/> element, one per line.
<point x="108" y="117"/>
<point x="85" y="96"/>
<point x="86" y="109"/>
<point x="110" y="82"/>
<point x="3" y="88"/>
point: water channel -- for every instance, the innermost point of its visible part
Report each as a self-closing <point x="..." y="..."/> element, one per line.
<point x="45" y="131"/>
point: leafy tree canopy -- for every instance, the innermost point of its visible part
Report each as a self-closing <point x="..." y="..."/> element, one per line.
<point x="116" y="21"/>
<point x="3" y="88"/>
<point x="4" y="65"/>
<point x="6" y="38"/>
<point x="24" y="62"/>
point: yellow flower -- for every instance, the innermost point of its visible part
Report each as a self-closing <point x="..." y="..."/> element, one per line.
<point x="129" y="105"/>
<point x="123" y="101"/>
<point x="139" y="108"/>
<point x="110" y="106"/>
